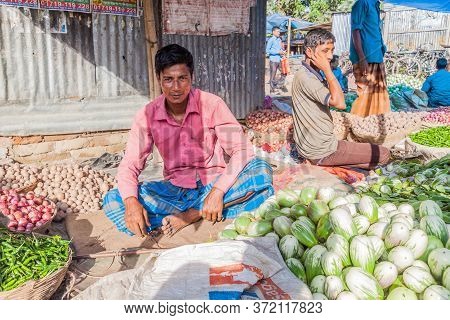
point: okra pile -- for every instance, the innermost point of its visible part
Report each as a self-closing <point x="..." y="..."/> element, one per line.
<point x="26" y="257"/>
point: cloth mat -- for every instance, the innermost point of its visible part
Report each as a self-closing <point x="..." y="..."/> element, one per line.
<point x="94" y="233"/>
<point x="305" y="175"/>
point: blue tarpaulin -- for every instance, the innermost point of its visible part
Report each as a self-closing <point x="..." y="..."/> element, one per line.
<point x="431" y="5"/>
<point x="277" y="20"/>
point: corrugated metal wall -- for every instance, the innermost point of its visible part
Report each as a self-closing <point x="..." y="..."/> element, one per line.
<point x="99" y="56"/>
<point x="120" y="55"/>
<point x="63" y="82"/>
<point x="410" y="28"/>
<point x="414" y="28"/>
<point x="341" y="30"/>
<point x="231" y="66"/>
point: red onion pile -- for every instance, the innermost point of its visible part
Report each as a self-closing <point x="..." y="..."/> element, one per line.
<point x="267" y="121"/>
<point x="439" y="116"/>
<point x="25" y="211"/>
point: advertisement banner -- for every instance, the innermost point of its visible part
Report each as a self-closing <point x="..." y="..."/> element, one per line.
<point x="21" y="3"/>
<point x="70" y="5"/>
<point x="119" y="7"/>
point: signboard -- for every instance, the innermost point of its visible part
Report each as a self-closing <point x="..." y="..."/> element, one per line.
<point x="212" y="17"/>
<point x="119" y="7"/>
<point x="70" y="5"/>
<point x="21" y="3"/>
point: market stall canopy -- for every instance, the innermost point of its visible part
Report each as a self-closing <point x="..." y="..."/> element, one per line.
<point x="431" y="5"/>
<point x="281" y="21"/>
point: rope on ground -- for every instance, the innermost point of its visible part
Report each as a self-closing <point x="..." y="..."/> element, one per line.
<point x="88" y="274"/>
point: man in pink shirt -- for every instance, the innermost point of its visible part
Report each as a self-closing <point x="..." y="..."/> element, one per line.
<point x="191" y="129"/>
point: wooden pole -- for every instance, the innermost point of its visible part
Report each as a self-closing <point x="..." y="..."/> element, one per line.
<point x="151" y="41"/>
<point x="289" y="39"/>
<point x="386" y="28"/>
<point x="447" y="34"/>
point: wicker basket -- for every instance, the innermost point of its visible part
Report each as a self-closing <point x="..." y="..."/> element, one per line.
<point x="41" y="289"/>
<point x="28" y="188"/>
<point x="45" y="226"/>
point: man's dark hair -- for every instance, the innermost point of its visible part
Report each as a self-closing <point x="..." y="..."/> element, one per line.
<point x="318" y="37"/>
<point x="441" y="63"/>
<point x="275" y="28"/>
<point x="171" y="55"/>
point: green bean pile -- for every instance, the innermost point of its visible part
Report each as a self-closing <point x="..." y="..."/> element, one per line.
<point x="438" y="137"/>
<point x="25" y="257"/>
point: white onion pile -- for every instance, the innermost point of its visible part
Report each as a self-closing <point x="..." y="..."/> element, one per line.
<point x="386" y="124"/>
<point x="25" y="211"/>
<point x="267" y="121"/>
<point x="73" y="188"/>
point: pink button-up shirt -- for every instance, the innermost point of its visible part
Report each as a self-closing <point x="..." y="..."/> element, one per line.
<point x="192" y="150"/>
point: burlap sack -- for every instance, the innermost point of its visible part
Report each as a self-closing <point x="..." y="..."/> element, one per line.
<point x="388" y="140"/>
<point x="427" y="153"/>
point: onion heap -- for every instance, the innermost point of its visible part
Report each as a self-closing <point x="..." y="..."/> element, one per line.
<point x="378" y="126"/>
<point x="73" y="188"/>
<point x="272" y="129"/>
<point x="267" y="121"/>
<point x="438" y="116"/>
<point x="25" y="211"/>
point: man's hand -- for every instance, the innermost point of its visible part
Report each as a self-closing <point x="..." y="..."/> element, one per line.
<point x="321" y="61"/>
<point x="364" y="67"/>
<point x="136" y="217"/>
<point x="213" y="205"/>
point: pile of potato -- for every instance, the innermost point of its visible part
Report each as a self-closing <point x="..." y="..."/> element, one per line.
<point x="386" y="124"/>
<point x="73" y="188"/>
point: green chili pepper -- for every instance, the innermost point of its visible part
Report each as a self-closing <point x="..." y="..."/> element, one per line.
<point x="25" y="257"/>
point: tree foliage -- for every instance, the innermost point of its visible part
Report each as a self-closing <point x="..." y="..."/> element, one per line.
<point x="312" y="10"/>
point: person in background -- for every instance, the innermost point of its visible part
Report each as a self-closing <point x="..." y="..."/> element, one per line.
<point x="274" y="49"/>
<point x="340" y="76"/>
<point x="367" y="51"/>
<point x="192" y="129"/>
<point x="437" y="86"/>
<point x="312" y="97"/>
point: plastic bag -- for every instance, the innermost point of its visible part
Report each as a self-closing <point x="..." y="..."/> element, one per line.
<point x="221" y="270"/>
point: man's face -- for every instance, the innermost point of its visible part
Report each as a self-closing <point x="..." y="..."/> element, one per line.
<point x="276" y="33"/>
<point x="325" y="50"/>
<point x="176" y="83"/>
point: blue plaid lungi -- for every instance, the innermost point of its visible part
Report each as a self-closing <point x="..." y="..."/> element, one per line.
<point x="162" y="198"/>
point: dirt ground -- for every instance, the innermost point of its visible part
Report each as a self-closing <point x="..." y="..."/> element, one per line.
<point x="294" y="65"/>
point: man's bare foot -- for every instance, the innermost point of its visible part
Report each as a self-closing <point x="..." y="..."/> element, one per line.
<point x="174" y="223"/>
